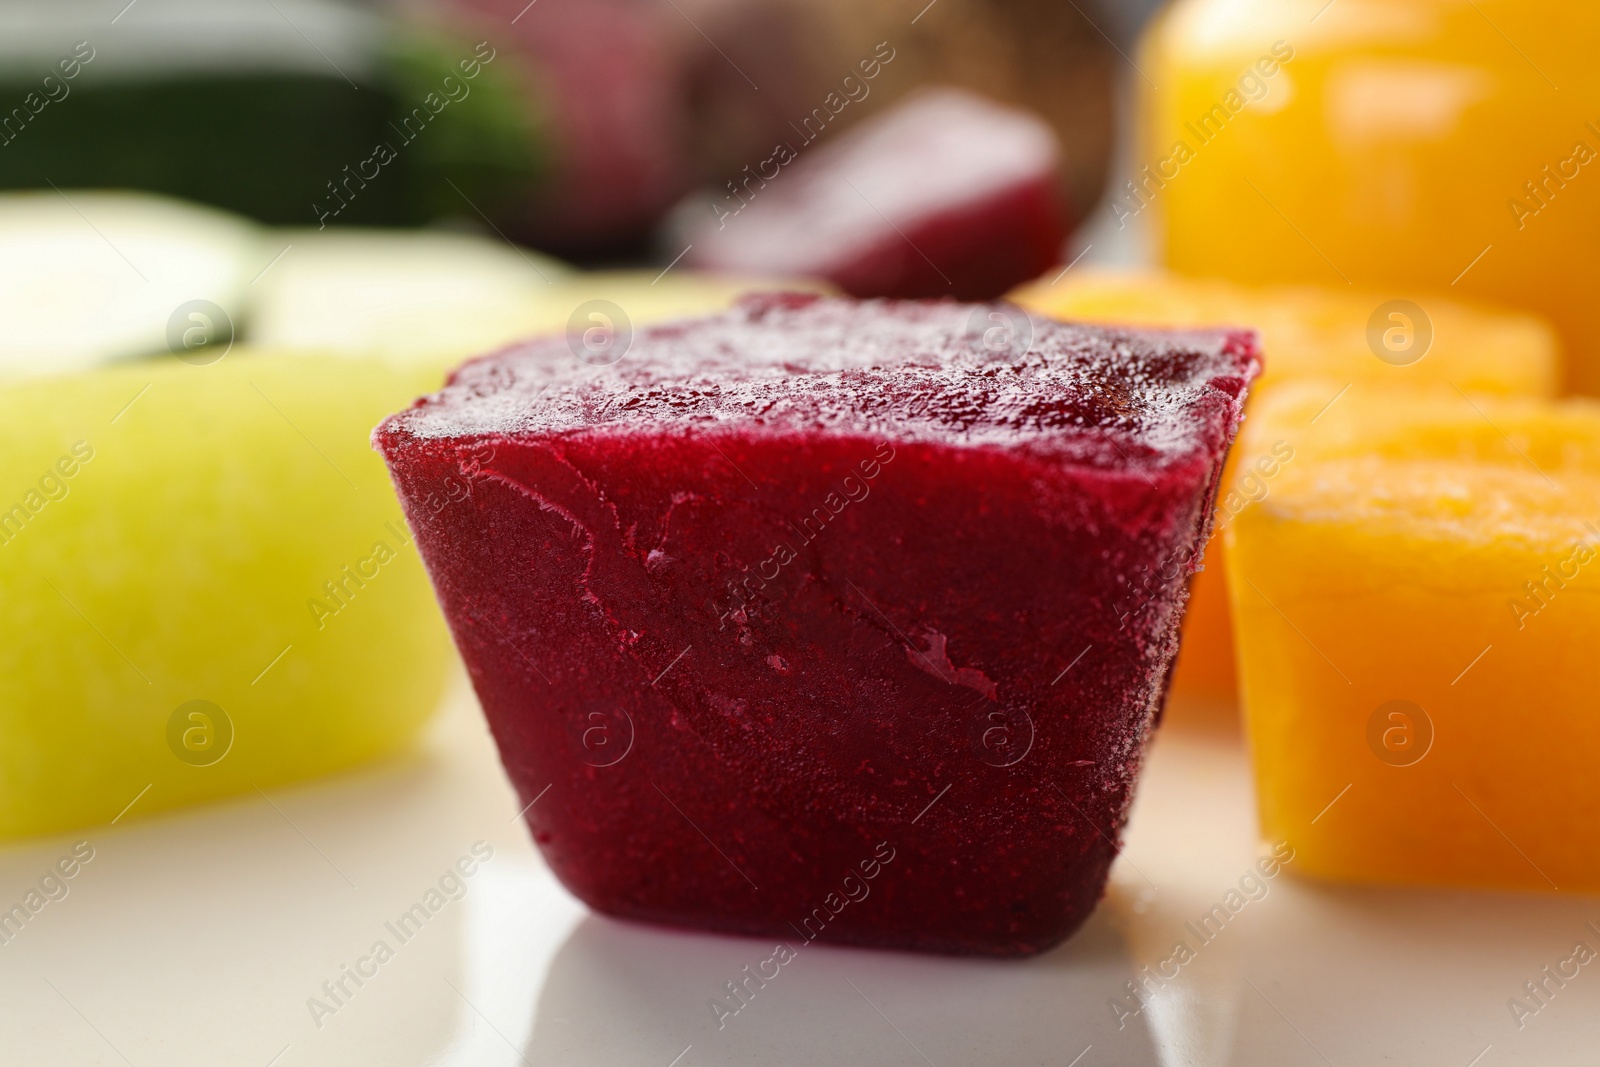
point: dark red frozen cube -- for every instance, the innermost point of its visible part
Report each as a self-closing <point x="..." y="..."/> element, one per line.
<point x="822" y="618"/>
<point x="946" y="194"/>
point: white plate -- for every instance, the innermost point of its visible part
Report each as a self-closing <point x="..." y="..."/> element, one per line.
<point x="200" y="938"/>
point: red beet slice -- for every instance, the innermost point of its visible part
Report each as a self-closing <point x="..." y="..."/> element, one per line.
<point x="825" y="619"/>
<point x="945" y="194"/>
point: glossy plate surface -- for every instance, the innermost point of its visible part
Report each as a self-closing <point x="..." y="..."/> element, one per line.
<point x="200" y="937"/>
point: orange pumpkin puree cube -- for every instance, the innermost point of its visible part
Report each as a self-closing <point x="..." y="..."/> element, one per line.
<point x="1417" y="606"/>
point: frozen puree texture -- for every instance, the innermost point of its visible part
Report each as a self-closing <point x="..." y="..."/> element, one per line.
<point x="816" y="582"/>
<point x="173" y="534"/>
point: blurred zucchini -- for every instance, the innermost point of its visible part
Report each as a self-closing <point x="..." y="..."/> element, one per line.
<point x="279" y="111"/>
<point x="95" y="276"/>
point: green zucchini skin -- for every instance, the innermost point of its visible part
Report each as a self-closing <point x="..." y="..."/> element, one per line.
<point x="277" y="139"/>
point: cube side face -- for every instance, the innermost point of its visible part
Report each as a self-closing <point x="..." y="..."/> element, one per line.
<point x="197" y="549"/>
<point x="1204" y="674"/>
<point x="849" y="688"/>
<point x="1413" y="636"/>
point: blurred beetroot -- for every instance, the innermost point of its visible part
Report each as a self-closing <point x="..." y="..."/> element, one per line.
<point x="944" y="194"/>
<point x="1043" y="56"/>
<point x="646" y="99"/>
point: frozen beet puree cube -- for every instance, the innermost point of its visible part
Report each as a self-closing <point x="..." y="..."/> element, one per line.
<point x="946" y="194"/>
<point x="819" y="618"/>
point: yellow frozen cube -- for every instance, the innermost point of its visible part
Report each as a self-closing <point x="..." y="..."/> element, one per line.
<point x="206" y="585"/>
<point x="1396" y="144"/>
<point x="1417" y="604"/>
<point x="441" y="298"/>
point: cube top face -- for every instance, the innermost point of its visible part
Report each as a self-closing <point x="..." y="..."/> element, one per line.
<point x="842" y="196"/>
<point x="818" y="619"/>
<point x="1441" y="424"/>
<point x="1434" y="464"/>
<point x="1416" y="618"/>
<point x="1328" y="333"/>
<point x="954" y="374"/>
